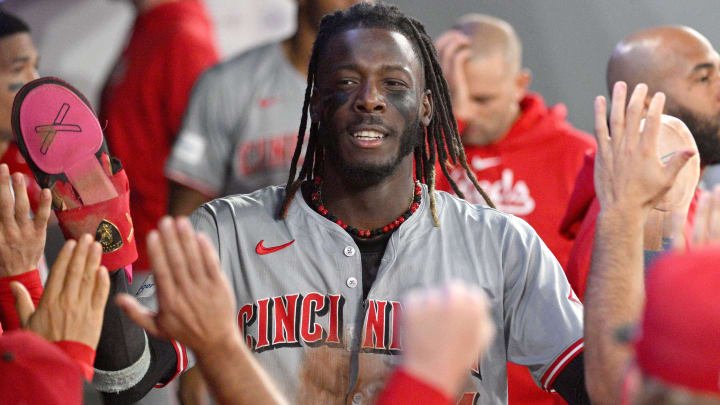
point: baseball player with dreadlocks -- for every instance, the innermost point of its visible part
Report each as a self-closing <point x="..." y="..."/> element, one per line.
<point x="326" y="259"/>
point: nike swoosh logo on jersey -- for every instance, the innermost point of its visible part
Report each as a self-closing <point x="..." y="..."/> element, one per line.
<point x="481" y="164"/>
<point x="572" y="297"/>
<point x="262" y="250"/>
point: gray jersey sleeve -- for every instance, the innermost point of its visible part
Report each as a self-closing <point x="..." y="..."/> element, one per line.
<point x="204" y="147"/>
<point x="543" y="317"/>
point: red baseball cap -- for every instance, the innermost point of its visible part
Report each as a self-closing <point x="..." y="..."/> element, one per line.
<point x="679" y="340"/>
<point x="35" y="371"/>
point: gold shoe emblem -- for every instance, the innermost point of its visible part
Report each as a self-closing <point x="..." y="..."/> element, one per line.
<point x="109" y="236"/>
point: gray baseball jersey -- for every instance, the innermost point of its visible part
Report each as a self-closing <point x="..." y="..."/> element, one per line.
<point x="240" y="126"/>
<point x="298" y="284"/>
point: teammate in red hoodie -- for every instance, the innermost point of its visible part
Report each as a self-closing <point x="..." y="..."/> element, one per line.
<point x="683" y="64"/>
<point x="524" y="154"/>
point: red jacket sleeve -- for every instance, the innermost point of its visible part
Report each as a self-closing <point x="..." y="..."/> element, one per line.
<point x="31" y="281"/>
<point x="403" y="388"/>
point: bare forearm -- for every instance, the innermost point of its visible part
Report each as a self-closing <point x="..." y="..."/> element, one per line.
<point x="183" y="200"/>
<point x="236" y="378"/>
<point x="614" y="299"/>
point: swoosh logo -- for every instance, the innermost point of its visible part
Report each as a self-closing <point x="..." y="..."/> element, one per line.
<point x="262" y="250"/>
<point x="481" y="164"/>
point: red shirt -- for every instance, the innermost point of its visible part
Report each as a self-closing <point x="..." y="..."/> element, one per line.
<point x="144" y="99"/>
<point x="531" y="171"/>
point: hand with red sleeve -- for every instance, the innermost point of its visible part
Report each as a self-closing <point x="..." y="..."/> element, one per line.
<point x="71" y="310"/>
<point x="22" y="240"/>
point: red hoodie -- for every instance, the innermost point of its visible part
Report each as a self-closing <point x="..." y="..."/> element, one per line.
<point x="529" y="173"/>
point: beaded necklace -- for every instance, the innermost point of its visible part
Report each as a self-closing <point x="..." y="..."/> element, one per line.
<point x="317" y="203"/>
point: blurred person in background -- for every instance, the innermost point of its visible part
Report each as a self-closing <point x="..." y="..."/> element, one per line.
<point x="523" y="153"/>
<point x="240" y="128"/>
<point x="171" y="43"/>
<point x="683" y="64"/>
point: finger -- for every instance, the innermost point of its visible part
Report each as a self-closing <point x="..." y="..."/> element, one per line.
<point x="635" y="108"/>
<point x="43" y="210"/>
<point x="458" y="68"/>
<point x="7" y="216"/>
<point x="22" y="204"/>
<point x="23" y="302"/>
<point x="617" y="113"/>
<point x="455" y="41"/>
<point x="76" y="267"/>
<point x="702" y="213"/>
<point x="714" y="222"/>
<point x="676" y="163"/>
<point x="210" y="257"/>
<point x="174" y="251"/>
<point x="56" y="279"/>
<point x="191" y="248"/>
<point x="90" y="273"/>
<point x="160" y="268"/>
<point x="139" y="314"/>
<point x="601" y="128"/>
<point x="101" y="288"/>
<point x="653" y="123"/>
<point x="677" y="233"/>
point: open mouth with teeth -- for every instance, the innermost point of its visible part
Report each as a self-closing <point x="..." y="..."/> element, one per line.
<point x="368" y="139"/>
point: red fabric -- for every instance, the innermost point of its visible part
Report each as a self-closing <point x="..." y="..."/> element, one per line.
<point x="86" y="219"/>
<point x="82" y="354"/>
<point x="144" y="99"/>
<point x="403" y="388"/>
<point x="680" y="332"/>
<point x="580" y="221"/>
<point x="531" y="171"/>
<point x="31" y="281"/>
<point x="35" y="371"/>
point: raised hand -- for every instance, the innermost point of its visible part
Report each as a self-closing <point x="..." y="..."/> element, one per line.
<point x="453" y="52"/>
<point x="22" y="238"/>
<point x="629" y="174"/>
<point x="195" y="303"/>
<point x="73" y="303"/>
<point x="466" y="334"/>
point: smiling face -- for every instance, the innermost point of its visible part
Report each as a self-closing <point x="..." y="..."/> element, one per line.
<point x="371" y="103"/>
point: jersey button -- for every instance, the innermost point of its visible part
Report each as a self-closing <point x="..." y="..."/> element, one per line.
<point x="351" y="282"/>
<point x="357" y="398"/>
<point x="349" y="251"/>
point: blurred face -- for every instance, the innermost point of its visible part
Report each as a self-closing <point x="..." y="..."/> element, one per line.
<point x="693" y="90"/>
<point x="495" y="94"/>
<point x="371" y="103"/>
<point x="18" y="65"/>
<point x="314" y="10"/>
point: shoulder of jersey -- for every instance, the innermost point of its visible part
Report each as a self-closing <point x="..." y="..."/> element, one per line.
<point x="263" y="203"/>
<point x="245" y="62"/>
<point x="450" y="204"/>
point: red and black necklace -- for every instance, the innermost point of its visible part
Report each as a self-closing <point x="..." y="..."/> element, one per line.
<point x="317" y="203"/>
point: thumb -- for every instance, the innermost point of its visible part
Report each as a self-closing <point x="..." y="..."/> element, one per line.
<point x="23" y="303"/>
<point x="677" y="162"/>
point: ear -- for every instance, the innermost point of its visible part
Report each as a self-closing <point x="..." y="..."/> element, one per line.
<point x="426" y="109"/>
<point x="522" y="83"/>
<point x="315" y="105"/>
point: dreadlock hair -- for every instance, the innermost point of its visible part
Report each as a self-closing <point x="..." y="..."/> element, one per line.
<point x="442" y="141"/>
